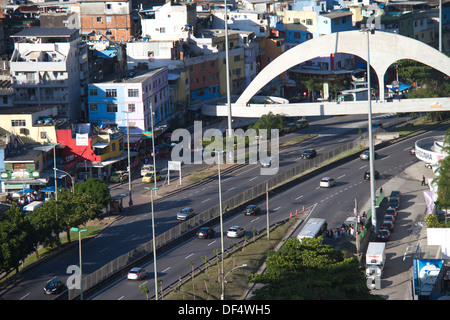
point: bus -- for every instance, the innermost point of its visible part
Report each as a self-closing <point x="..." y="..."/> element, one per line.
<point x="314" y="227"/>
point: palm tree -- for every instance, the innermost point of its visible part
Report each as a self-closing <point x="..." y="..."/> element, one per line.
<point x="269" y="121"/>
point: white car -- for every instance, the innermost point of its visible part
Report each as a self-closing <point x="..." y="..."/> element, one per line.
<point x="235" y="232"/>
<point x="136" y="274"/>
<point x="265" y="163"/>
<point x="327" y="182"/>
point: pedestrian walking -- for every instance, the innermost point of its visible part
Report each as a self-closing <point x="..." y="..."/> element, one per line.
<point x="423" y="181"/>
<point x="381" y="191"/>
<point x="121" y="179"/>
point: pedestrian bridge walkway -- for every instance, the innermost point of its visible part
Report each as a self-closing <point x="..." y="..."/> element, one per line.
<point x="329" y="108"/>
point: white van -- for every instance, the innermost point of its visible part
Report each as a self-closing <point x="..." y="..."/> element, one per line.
<point x="314" y="227"/>
<point x="32" y="206"/>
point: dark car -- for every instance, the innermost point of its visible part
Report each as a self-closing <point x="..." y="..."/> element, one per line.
<point x="395" y="194"/>
<point x="391" y="212"/>
<point x="394" y="203"/>
<point x="309" y="154"/>
<point x="367" y="175"/>
<point x="54" y="286"/>
<point x="252" y="210"/>
<point x="387" y="225"/>
<point x="383" y="235"/>
<point x="206" y="233"/>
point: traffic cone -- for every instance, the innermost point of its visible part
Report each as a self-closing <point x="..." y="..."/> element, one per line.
<point x="290" y="216"/>
<point x="303" y="209"/>
<point x="296" y="212"/>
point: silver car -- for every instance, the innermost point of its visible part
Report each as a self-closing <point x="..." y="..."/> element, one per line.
<point x="185" y="213"/>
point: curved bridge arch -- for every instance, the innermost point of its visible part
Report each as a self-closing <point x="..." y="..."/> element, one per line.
<point x="385" y="49"/>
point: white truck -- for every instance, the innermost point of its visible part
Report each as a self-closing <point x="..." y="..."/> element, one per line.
<point x="146" y="168"/>
<point x="375" y="259"/>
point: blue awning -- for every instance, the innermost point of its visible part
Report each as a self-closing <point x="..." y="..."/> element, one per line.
<point x="50" y="189"/>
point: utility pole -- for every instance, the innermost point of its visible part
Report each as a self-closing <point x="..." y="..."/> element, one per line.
<point x="267" y="210"/>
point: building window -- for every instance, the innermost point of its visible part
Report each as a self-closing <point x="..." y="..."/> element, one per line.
<point x="43" y="135"/>
<point x="133" y="92"/>
<point x="111" y="93"/>
<point x="93" y="107"/>
<point x="93" y="92"/>
<point x="131" y="107"/>
<point x="162" y="30"/>
<point x="18" y="123"/>
<point x="99" y="19"/>
<point x="309" y="22"/>
<point x="111" y="108"/>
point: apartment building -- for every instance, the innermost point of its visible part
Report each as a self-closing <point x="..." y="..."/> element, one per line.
<point x="128" y="99"/>
<point x="48" y="68"/>
<point x="111" y="19"/>
<point x="171" y="21"/>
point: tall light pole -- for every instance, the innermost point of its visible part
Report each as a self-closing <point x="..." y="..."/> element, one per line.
<point x="227" y="66"/>
<point x="79" y="257"/>
<point x="369" y="31"/>
<point x="153" y="237"/>
<point x="130" y="203"/>
<point x="219" y="158"/>
<point x="153" y="147"/>
<point x="222" y="297"/>
<point x="54" y="167"/>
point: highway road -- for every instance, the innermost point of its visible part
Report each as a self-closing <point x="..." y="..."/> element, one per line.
<point x="135" y="228"/>
<point x="333" y="204"/>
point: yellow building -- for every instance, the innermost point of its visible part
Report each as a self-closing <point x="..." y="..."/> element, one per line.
<point x="31" y="124"/>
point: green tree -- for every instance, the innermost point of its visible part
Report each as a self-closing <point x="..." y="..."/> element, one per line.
<point x="310" y="270"/>
<point x="269" y="121"/>
<point x="16" y="241"/>
<point x="97" y="189"/>
<point x="443" y="178"/>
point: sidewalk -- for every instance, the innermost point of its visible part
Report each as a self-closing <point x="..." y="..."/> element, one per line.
<point x="396" y="283"/>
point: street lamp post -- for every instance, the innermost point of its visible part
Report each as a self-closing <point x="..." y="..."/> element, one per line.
<point x="219" y="158"/>
<point x="81" y="265"/>
<point x="369" y="31"/>
<point x="222" y="297"/>
<point x="54" y="167"/>
<point x="73" y="181"/>
<point x="130" y="203"/>
<point x="153" y="237"/>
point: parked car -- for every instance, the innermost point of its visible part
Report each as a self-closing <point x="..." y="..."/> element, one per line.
<point x="389" y="217"/>
<point x="150" y="177"/>
<point x="115" y="176"/>
<point x="383" y="235"/>
<point x="252" y="210"/>
<point x="387" y="225"/>
<point x="54" y="286"/>
<point x="365" y="155"/>
<point x="235" y="232"/>
<point x="136" y="273"/>
<point x="394" y="203"/>
<point x="309" y="154"/>
<point x="367" y="175"/>
<point x="206" y="233"/>
<point x="185" y="213"/>
<point x="395" y="194"/>
<point x="327" y="182"/>
<point x="302" y="123"/>
<point x="265" y="163"/>
<point x="392" y="212"/>
<point x="289" y="127"/>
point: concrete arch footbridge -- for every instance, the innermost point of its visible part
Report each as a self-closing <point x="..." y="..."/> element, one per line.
<point x="385" y="49"/>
